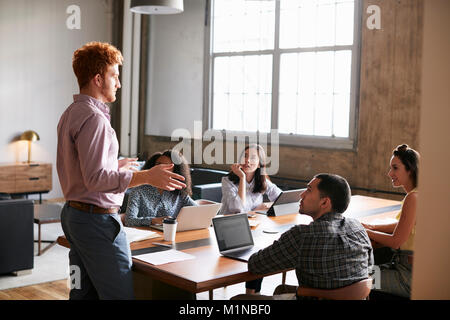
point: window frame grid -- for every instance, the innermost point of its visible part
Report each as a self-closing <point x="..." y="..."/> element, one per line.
<point x="299" y="140"/>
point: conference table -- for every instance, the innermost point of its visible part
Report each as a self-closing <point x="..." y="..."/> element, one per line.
<point x="209" y="270"/>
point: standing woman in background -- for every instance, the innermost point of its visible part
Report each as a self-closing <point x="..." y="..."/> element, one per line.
<point x="396" y="276"/>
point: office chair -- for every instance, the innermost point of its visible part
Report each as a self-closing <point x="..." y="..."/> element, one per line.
<point x="356" y="291"/>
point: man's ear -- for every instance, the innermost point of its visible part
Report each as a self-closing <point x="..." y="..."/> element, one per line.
<point x="325" y="203"/>
<point x="98" y="80"/>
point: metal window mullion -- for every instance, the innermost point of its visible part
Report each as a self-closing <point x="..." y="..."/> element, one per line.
<point x="208" y="107"/>
<point x="297" y="97"/>
<point x="334" y="75"/>
<point x="228" y="97"/>
<point x="355" y="72"/>
<point x="210" y="97"/>
<point x="333" y="94"/>
<point x="314" y="96"/>
<point x="258" y="94"/>
<point x="258" y="106"/>
<point x="281" y="51"/>
<point x="242" y="53"/>
<point x="243" y="92"/>
<point x="297" y="129"/>
<point x="315" y="75"/>
<point x="316" y="49"/>
<point x="276" y="69"/>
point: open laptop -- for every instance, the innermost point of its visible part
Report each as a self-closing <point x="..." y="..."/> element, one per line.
<point x="194" y="217"/>
<point x="286" y="203"/>
<point x="234" y="237"/>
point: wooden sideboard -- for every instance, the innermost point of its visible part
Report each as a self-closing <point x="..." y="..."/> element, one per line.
<point x="25" y="178"/>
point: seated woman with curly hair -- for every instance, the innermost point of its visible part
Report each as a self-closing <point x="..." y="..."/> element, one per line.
<point x="150" y="205"/>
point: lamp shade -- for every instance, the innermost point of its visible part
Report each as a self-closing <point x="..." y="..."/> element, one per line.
<point x="156" y="6"/>
<point x="29" y="135"/>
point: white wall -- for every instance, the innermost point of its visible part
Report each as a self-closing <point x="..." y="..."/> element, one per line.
<point x="431" y="278"/>
<point x="36" y="77"/>
<point x="175" y="87"/>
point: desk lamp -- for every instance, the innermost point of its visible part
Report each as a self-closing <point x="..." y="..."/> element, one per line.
<point x="29" y="136"/>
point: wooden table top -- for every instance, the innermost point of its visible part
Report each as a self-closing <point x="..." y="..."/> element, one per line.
<point x="209" y="270"/>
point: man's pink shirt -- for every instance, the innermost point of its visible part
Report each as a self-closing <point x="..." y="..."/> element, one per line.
<point x="87" y="163"/>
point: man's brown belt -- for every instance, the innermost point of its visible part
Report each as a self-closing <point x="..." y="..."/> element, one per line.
<point x="86" y="207"/>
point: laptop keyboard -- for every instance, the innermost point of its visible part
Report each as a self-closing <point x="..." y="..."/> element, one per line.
<point x="243" y="254"/>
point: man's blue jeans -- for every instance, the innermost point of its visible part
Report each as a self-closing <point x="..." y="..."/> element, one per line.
<point x="99" y="257"/>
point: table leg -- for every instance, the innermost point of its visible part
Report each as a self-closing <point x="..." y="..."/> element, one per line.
<point x="39" y="239"/>
<point x="147" y="288"/>
<point x="52" y="243"/>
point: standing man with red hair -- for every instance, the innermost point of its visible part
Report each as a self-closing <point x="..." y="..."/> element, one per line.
<point x="93" y="180"/>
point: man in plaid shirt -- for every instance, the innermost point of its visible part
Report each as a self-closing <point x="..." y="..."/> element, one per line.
<point x="331" y="252"/>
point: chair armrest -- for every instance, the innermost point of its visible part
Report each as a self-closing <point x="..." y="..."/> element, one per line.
<point x="210" y="191"/>
<point x="357" y="291"/>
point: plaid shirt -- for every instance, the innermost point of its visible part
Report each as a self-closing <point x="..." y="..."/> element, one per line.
<point x="329" y="253"/>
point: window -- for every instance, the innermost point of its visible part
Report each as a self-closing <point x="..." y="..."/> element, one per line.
<point x="290" y="65"/>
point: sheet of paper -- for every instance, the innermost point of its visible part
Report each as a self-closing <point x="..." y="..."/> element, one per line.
<point x="134" y="234"/>
<point x="253" y="223"/>
<point x="163" y="257"/>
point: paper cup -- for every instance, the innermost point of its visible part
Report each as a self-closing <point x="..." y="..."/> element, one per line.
<point x="170" y="229"/>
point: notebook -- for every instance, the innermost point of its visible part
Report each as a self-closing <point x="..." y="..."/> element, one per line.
<point x="286" y="203"/>
<point x="194" y="217"/>
<point x="134" y="234"/>
<point x="234" y="237"/>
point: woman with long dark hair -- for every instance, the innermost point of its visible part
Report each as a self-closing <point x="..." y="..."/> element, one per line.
<point x="243" y="188"/>
<point x="395" y="276"/>
<point x="149" y="205"/>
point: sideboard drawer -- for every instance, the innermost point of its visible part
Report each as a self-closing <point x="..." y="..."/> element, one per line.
<point x="25" y="172"/>
<point x="25" y="178"/>
<point x="33" y="184"/>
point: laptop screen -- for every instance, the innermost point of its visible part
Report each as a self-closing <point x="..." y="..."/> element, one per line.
<point x="289" y="196"/>
<point x="232" y="232"/>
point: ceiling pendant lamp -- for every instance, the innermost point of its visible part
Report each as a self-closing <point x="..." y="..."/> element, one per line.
<point x="156" y="6"/>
